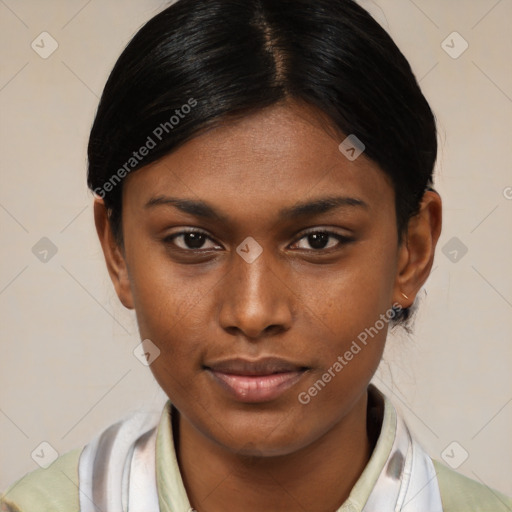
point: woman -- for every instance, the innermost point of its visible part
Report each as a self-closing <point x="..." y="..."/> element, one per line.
<point x="264" y="201"/>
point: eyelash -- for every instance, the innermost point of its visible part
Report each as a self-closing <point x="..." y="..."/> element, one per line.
<point x="342" y="239"/>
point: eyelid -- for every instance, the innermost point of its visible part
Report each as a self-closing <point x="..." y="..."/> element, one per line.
<point x="320" y="229"/>
<point x="342" y="239"/>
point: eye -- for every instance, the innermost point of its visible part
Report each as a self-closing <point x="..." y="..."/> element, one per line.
<point x="318" y="240"/>
<point x="191" y="240"/>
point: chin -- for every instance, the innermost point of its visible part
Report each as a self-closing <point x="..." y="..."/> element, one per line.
<point x="267" y="440"/>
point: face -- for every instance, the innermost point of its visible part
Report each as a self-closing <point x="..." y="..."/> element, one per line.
<point x="255" y="256"/>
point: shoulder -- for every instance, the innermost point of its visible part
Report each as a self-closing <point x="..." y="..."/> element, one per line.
<point x="54" y="489"/>
<point x="461" y="494"/>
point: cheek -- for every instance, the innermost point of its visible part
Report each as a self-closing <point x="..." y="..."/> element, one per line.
<point x="164" y="298"/>
<point x="348" y="332"/>
<point x="170" y="312"/>
<point x="353" y="295"/>
<point x="350" y="319"/>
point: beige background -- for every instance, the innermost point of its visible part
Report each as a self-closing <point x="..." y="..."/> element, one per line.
<point x="66" y="367"/>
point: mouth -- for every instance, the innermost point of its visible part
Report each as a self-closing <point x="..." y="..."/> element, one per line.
<point x="261" y="380"/>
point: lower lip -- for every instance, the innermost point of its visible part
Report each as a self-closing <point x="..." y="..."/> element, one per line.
<point x="257" y="388"/>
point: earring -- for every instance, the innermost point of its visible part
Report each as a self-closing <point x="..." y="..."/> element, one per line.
<point x="407" y="298"/>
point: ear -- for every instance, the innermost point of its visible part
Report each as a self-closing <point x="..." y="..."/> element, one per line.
<point x="114" y="257"/>
<point x="416" y="253"/>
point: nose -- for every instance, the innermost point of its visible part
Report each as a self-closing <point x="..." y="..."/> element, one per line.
<point x="256" y="300"/>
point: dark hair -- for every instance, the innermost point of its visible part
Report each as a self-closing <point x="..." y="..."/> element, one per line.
<point x="200" y="62"/>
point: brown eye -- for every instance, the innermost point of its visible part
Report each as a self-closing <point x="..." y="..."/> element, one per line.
<point x="190" y="240"/>
<point x="320" y="240"/>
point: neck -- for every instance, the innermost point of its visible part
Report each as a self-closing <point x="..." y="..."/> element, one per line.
<point x="317" y="478"/>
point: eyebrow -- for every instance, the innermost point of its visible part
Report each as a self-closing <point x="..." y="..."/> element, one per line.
<point x="311" y="208"/>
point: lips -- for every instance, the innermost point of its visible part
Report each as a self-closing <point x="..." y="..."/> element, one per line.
<point x="260" y="380"/>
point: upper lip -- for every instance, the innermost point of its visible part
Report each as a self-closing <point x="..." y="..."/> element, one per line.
<point x="263" y="366"/>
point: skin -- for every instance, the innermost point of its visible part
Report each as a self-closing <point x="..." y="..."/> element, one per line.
<point x="295" y="302"/>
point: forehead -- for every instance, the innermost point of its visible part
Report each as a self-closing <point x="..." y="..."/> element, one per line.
<point x="273" y="158"/>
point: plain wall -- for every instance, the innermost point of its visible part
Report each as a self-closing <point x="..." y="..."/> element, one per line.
<point x="66" y="367"/>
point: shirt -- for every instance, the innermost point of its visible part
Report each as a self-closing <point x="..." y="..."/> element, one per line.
<point x="381" y="486"/>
